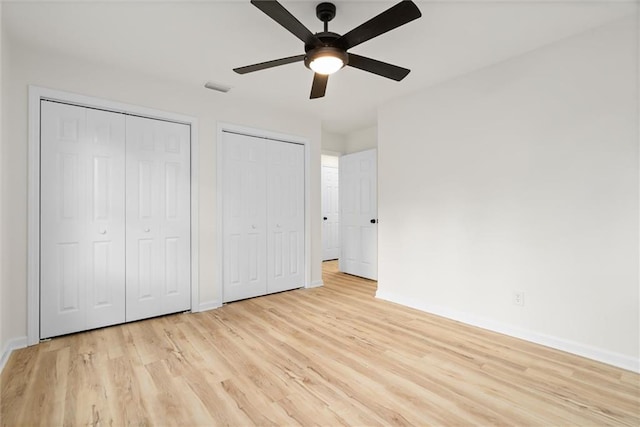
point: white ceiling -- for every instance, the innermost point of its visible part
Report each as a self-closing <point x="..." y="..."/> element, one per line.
<point x="192" y="42"/>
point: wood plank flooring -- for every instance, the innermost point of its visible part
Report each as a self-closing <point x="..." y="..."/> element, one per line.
<point x="326" y="356"/>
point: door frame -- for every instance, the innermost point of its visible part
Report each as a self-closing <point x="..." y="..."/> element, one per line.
<point x="36" y="95"/>
<point x="276" y="136"/>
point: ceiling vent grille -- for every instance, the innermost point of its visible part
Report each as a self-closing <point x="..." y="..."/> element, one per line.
<point x="217" y="86"/>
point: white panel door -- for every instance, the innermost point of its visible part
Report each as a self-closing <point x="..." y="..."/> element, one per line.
<point x="82" y="271"/>
<point x="285" y="216"/>
<point x="158" y="218"/>
<point x="359" y="214"/>
<point x="330" y="213"/>
<point x="244" y="219"/>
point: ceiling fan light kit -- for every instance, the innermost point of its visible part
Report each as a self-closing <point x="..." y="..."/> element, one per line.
<point x="326" y="60"/>
<point x="326" y="52"/>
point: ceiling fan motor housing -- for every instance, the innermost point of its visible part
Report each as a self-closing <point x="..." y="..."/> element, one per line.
<point x="326" y="11"/>
<point x="326" y="38"/>
<point x="326" y="49"/>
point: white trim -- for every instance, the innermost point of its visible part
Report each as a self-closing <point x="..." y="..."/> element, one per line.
<point x="597" y="354"/>
<point x="13" y="344"/>
<point x="36" y="94"/>
<point x="218" y="278"/>
<point x="316" y="284"/>
<point x="261" y="133"/>
<point x="209" y="305"/>
<point x="331" y="153"/>
<point x="195" y="218"/>
<point x="33" y="218"/>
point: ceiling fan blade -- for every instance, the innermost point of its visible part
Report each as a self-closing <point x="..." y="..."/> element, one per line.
<point x="319" y="86"/>
<point x="378" y="67"/>
<point x="400" y="14"/>
<point x="268" y="64"/>
<point x="282" y="16"/>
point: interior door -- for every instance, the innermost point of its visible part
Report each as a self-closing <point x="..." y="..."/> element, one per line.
<point x="82" y="219"/>
<point x="285" y="216"/>
<point x="359" y="214"/>
<point x="244" y="219"/>
<point x="330" y="213"/>
<point x="158" y="242"/>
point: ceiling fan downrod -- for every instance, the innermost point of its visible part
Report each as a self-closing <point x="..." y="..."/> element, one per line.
<point x="326" y="12"/>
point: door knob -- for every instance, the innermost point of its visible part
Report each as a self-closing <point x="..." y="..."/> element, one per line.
<point x="278" y="225"/>
<point x="373" y="221"/>
<point x="253" y="226"/>
<point x="103" y="231"/>
<point x="325" y="218"/>
<point x="146" y="230"/>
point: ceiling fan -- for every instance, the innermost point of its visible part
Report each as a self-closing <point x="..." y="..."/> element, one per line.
<point x="326" y="52"/>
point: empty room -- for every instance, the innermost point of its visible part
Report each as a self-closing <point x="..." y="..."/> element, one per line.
<point x="261" y="212"/>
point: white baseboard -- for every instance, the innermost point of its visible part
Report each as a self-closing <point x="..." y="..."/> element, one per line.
<point x="598" y="354"/>
<point x="13" y="344"/>
<point x="209" y="305"/>
<point x="315" y="284"/>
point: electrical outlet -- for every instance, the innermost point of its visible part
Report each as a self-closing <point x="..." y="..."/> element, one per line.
<point x="518" y="298"/>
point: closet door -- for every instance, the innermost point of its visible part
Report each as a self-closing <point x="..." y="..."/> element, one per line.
<point x="244" y="219"/>
<point x="158" y="218"/>
<point x="82" y="215"/>
<point x="285" y="216"/>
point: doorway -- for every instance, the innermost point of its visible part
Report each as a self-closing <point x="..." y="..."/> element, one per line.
<point x="350" y="212"/>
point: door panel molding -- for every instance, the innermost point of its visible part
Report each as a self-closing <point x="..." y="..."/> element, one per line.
<point x="36" y="95"/>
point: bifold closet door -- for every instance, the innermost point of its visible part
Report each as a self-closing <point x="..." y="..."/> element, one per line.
<point x="244" y="219"/>
<point x="263" y="216"/>
<point x="158" y="218"/>
<point x="285" y="216"/>
<point x="82" y="211"/>
<point x="114" y="218"/>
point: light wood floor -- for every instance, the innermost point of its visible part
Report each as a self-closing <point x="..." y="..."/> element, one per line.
<point x="324" y="356"/>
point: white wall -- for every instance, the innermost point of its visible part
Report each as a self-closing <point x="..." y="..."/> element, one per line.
<point x="361" y="139"/>
<point x="352" y="142"/>
<point x="30" y="66"/>
<point x="522" y="176"/>
<point x="332" y="142"/>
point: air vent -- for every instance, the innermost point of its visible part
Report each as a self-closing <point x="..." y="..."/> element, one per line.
<point x="217" y="86"/>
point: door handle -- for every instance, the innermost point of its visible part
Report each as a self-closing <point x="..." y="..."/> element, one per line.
<point x="103" y="231"/>
<point x="146" y="230"/>
<point x="325" y="218"/>
<point x="374" y="221"/>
